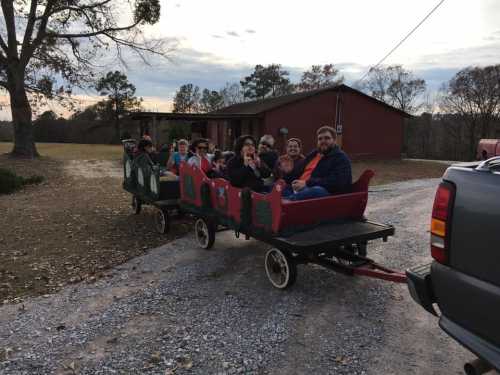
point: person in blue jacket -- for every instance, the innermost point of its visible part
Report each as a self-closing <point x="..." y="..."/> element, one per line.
<point x="325" y="171"/>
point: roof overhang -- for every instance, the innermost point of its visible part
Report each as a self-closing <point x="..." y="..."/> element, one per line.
<point x="188" y="116"/>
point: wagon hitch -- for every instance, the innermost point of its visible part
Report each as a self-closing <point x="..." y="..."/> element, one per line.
<point x="361" y="266"/>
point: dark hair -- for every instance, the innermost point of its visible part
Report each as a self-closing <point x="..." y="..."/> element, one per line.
<point x="296" y="140"/>
<point x="218" y="155"/>
<point x="143" y="143"/>
<point x="195" y="144"/>
<point x="228" y="155"/>
<point x="240" y="142"/>
<point x="329" y="129"/>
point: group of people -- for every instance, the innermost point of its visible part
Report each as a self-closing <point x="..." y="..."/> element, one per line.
<point x="324" y="171"/>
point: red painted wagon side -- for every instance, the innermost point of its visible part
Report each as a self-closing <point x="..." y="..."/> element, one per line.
<point x="270" y="213"/>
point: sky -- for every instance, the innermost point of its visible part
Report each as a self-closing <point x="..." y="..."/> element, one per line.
<point x="219" y="41"/>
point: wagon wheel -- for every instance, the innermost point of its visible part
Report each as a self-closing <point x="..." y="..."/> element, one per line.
<point x="161" y="221"/>
<point x="205" y="233"/>
<point x="281" y="269"/>
<point x="136" y="205"/>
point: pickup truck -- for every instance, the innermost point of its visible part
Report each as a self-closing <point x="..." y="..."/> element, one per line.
<point x="463" y="279"/>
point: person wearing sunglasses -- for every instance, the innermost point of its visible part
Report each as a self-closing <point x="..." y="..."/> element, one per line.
<point x="245" y="169"/>
<point x="325" y="171"/>
<point x="200" y="157"/>
<point x="266" y="151"/>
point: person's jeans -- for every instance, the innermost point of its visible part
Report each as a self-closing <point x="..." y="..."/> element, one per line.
<point x="306" y="193"/>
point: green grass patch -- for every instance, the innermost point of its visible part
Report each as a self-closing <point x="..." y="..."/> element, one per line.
<point x="10" y="182"/>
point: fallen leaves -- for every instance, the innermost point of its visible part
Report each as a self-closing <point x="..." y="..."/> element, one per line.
<point x="69" y="230"/>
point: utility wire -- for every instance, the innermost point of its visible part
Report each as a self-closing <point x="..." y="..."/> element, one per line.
<point x="401" y="42"/>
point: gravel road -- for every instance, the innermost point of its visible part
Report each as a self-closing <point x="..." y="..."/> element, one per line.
<point x="181" y="310"/>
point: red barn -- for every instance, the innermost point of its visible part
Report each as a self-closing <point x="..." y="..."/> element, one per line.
<point x="367" y="127"/>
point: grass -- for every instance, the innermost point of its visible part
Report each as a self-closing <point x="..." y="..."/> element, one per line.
<point x="73" y="151"/>
<point x="10" y="182"/>
<point x="389" y="171"/>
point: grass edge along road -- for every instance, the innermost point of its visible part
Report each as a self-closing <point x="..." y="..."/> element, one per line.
<point x="73" y="151"/>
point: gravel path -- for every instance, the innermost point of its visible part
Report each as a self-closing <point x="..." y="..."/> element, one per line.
<point x="180" y="310"/>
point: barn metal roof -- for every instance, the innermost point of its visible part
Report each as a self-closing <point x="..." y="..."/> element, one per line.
<point x="258" y="107"/>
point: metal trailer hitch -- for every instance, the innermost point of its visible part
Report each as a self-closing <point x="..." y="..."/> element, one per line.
<point x="477" y="367"/>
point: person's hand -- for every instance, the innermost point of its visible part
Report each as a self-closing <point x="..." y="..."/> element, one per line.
<point x="257" y="161"/>
<point x="247" y="160"/>
<point x="298" y="185"/>
<point x="172" y="148"/>
<point x="251" y="163"/>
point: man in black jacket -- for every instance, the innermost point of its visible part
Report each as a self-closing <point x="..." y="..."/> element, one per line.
<point x="325" y="171"/>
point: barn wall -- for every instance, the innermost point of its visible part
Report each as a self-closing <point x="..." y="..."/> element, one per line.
<point x="371" y="130"/>
<point x="302" y="118"/>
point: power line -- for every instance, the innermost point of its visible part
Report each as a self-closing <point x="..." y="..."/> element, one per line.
<point x="402" y="41"/>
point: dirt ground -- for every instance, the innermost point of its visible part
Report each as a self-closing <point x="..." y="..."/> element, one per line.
<point x="72" y="227"/>
<point x="78" y="222"/>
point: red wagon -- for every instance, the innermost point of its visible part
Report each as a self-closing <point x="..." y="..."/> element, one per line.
<point x="330" y="231"/>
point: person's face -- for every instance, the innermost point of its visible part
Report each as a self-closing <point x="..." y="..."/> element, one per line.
<point x="221" y="163"/>
<point x="183" y="148"/>
<point x="293" y="149"/>
<point x="202" y="149"/>
<point x="263" y="147"/>
<point x="325" y="141"/>
<point x="248" y="148"/>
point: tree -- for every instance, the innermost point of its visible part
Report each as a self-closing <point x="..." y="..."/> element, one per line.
<point x="319" y="77"/>
<point x="269" y="81"/>
<point x="47" y="41"/>
<point x="474" y="94"/>
<point x="211" y="101"/>
<point x="121" y="97"/>
<point x="48" y="127"/>
<point x="232" y="94"/>
<point x="187" y="99"/>
<point x="395" y="86"/>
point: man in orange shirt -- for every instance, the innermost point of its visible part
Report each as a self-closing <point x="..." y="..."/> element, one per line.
<point x="325" y="171"/>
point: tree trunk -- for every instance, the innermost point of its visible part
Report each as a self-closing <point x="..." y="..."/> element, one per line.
<point x="117" y="125"/>
<point x="24" y="142"/>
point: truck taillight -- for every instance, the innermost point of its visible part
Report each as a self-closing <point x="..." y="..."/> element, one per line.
<point x="441" y="213"/>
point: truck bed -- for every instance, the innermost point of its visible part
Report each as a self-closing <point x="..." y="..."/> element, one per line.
<point x="331" y="235"/>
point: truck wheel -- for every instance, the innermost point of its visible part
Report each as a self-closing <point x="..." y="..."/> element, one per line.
<point x="161" y="221"/>
<point x="281" y="269"/>
<point x="136" y="205"/>
<point x="204" y="231"/>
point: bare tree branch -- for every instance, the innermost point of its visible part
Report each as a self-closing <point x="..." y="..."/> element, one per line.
<point x="10" y="23"/>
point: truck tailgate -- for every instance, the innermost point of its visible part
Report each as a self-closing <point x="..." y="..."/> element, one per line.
<point x="475" y="228"/>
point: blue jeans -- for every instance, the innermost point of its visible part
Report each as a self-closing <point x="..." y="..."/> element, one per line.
<point x="306" y="193"/>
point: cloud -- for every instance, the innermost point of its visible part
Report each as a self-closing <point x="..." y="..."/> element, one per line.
<point x="233" y="33"/>
<point x="217" y="36"/>
<point x="493" y="36"/>
<point x="250" y="31"/>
